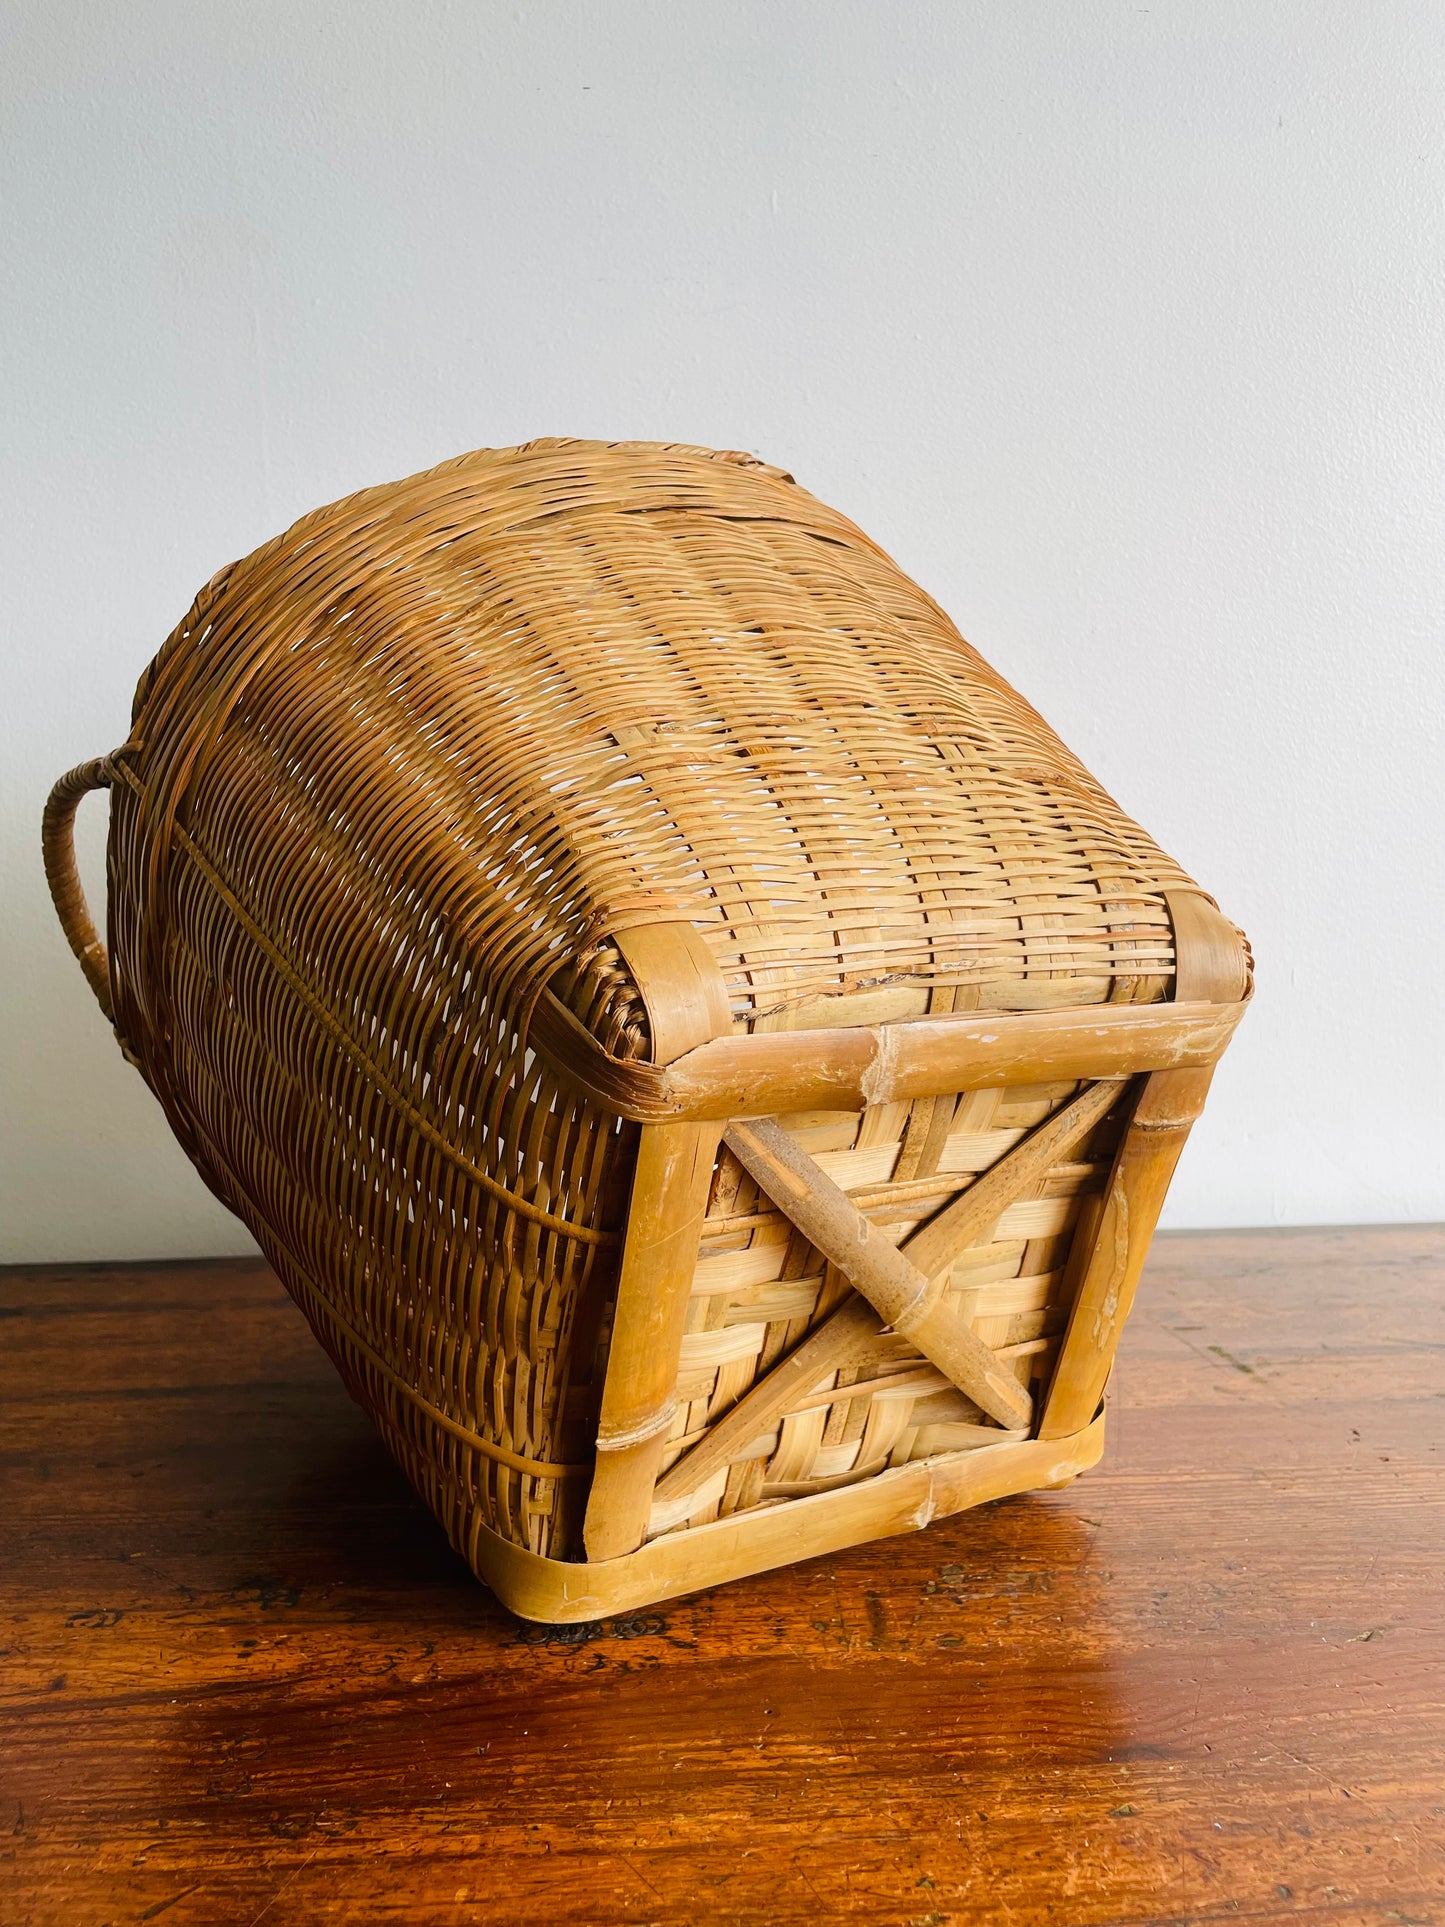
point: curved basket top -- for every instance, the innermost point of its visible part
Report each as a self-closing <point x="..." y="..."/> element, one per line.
<point x="537" y="695"/>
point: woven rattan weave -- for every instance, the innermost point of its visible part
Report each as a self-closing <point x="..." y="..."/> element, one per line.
<point x="702" y="1054"/>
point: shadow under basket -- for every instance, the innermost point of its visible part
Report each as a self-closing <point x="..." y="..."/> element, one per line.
<point x="704" y="1057"/>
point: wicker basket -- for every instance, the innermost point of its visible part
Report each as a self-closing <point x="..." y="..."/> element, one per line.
<point x="702" y="1054"/>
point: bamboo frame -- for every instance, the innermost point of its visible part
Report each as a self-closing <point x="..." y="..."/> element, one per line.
<point x="557" y="1592"/>
<point x="844" y="1069"/>
<point x="924" y="1259"/>
<point x="686" y="1005"/>
<point x="702" y="1054"/>
<point x="1210" y="962"/>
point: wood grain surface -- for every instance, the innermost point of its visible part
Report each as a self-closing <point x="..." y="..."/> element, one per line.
<point x="245" y="1681"/>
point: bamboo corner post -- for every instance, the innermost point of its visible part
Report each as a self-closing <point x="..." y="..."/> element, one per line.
<point x="1210" y="963"/>
<point x="687" y="1005"/>
<point x="704" y="1057"/>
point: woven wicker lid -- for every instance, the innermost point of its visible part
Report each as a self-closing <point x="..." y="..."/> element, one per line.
<point x="539" y="695"/>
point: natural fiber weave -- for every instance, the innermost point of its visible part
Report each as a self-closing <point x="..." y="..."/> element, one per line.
<point x="423" y="763"/>
<point x="635" y="682"/>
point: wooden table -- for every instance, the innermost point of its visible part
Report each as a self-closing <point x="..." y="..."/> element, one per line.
<point x="245" y="1681"/>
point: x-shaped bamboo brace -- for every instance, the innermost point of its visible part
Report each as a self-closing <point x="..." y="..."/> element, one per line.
<point x="901" y="1287"/>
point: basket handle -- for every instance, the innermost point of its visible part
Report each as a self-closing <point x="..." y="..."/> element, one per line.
<point x="58" y="840"/>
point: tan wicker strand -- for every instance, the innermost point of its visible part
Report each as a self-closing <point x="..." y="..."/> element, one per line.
<point x="58" y="844"/>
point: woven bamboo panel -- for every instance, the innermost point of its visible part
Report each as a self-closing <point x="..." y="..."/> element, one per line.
<point x="759" y="1287"/>
<point x="734" y="705"/>
<point x="492" y="846"/>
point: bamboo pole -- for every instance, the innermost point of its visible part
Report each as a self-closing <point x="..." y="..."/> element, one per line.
<point x="902" y="1500"/>
<point x="775" y="1073"/>
<point x="898" y="1291"/>
<point x="686" y="1002"/>
<point x="1210" y="962"/>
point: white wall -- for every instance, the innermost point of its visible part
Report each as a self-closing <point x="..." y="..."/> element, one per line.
<point x="1121" y="327"/>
